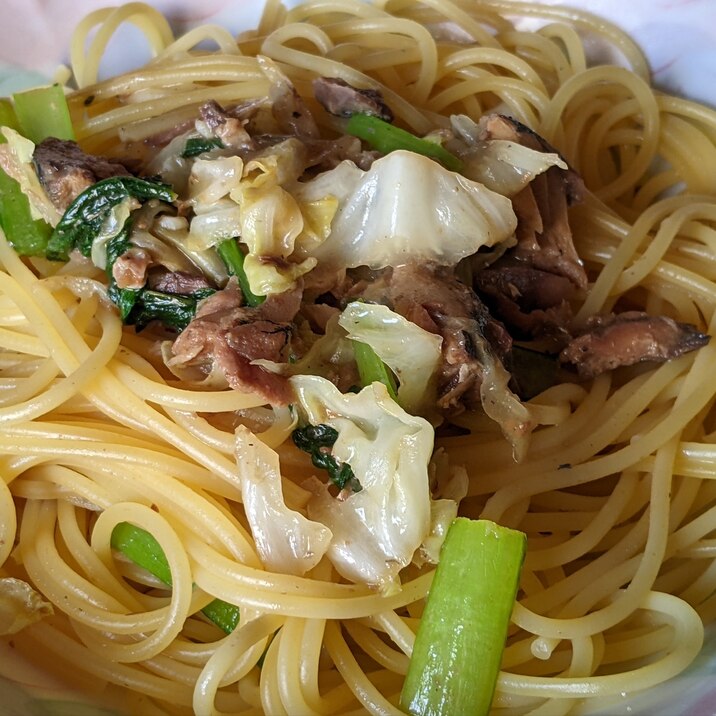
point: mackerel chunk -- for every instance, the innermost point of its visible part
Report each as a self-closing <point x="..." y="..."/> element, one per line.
<point x="609" y="342"/>
<point x="343" y="100"/>
<point x="65" y="171"/>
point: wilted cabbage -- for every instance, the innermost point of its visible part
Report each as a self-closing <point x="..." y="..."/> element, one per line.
<point x="405" y="208"/>
<point x="411" y="352"/>
<point x="285" y="540"/>
<point x="20" y="606"/>
<point x="501" y="165"/>
<point x="249" y="202"/>
<point x="375" y="531"/>
<point x="271" y="221"/>
<point x="331" y="350"/>
<point x="216" y="216"/>
<point x="500" y="403"/>
<point x="170" y="165"/>
<point x="442" y="513"/>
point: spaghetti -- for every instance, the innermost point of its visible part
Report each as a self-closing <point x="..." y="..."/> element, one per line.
<point x="616" y="493"/>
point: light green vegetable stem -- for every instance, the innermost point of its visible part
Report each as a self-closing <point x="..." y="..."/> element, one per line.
<point x="27" y="236"/>
<point x="387" y="138"/>
<point x="371" y="368"/>
<point x="233" y="259"/>
<point x="43" y="113"/>
<point x="141" y="547"/>
<point x="458" y="648"/>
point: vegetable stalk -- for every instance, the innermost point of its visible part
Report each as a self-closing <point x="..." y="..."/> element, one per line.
<point x="233" y="259"/>
<point x="387" y="138"/>
<point x="28" y="236"/>
<point x="458" y="648"/>
<point x="43" y="113"/>
<point x="139" y="546"/>
<point x="8" y="118"/>
<point x="371" y="368"/>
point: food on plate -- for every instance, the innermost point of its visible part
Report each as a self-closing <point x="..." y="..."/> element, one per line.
<point x="305" y="338"/>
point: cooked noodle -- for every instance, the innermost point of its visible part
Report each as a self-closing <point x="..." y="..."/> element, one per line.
<point x="616" y="494"/>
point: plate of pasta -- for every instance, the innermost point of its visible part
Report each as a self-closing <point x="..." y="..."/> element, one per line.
<point x="356" y="357"/>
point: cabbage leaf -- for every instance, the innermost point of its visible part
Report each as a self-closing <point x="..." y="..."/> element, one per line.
<point x="216" y="216"/>
<point x="376" y="531"/>
<point x="501" y="165"/>
<point x="411" y="352"/>
<point x="286" y="540"/>
<point x="20" y="606"/>
<point x="405" y="208"/>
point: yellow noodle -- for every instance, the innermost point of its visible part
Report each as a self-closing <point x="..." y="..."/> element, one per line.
<point x="617" y="492"/>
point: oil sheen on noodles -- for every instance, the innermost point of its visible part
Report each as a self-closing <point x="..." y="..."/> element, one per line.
<point x="616" y="495"/>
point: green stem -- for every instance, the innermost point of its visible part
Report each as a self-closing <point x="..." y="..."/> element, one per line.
<point x="233" y="259"/>
<point x="387" y="138"/>
<point x="7" y="115"/>
<point x="372" y="369"/>
<point x="43" y="113"/>
<point x="27" y="236"/>
<point x="141" y="547"/>
<point x="459" y="644"/>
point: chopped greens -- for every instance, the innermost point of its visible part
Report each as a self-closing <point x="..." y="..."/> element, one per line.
<point x="141" y="306"/>
<point x="140" y="546"/>
<point x="198" y="145"/>
<point x="233" y="259"/>
<point x="43" y="113"/>
<point x="83" y="219"/>
<point x="124" y="298"/>
<point x="316" y="440"/>
<point x="461" y="637"/>
<point x="171" y="309"/>
<point x="387" y="138"/>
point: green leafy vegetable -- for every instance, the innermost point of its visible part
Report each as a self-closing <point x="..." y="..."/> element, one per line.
<point x="459" y="644"/>
<point x="198" y="145"/>
<point x="371" y="368"/>
<point x="140" y="306"/>
<point x="43" y="112"/>
<point x="28" y="236"/>
<point x="140" y="546"/>
<point x="124" y="298"/>
<point x="387" y="138"/>
<point x="84" y="217"/>
<point x="171" y="309"/>
<point x="317" y="440"/>
<point x="233" y="259"/>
